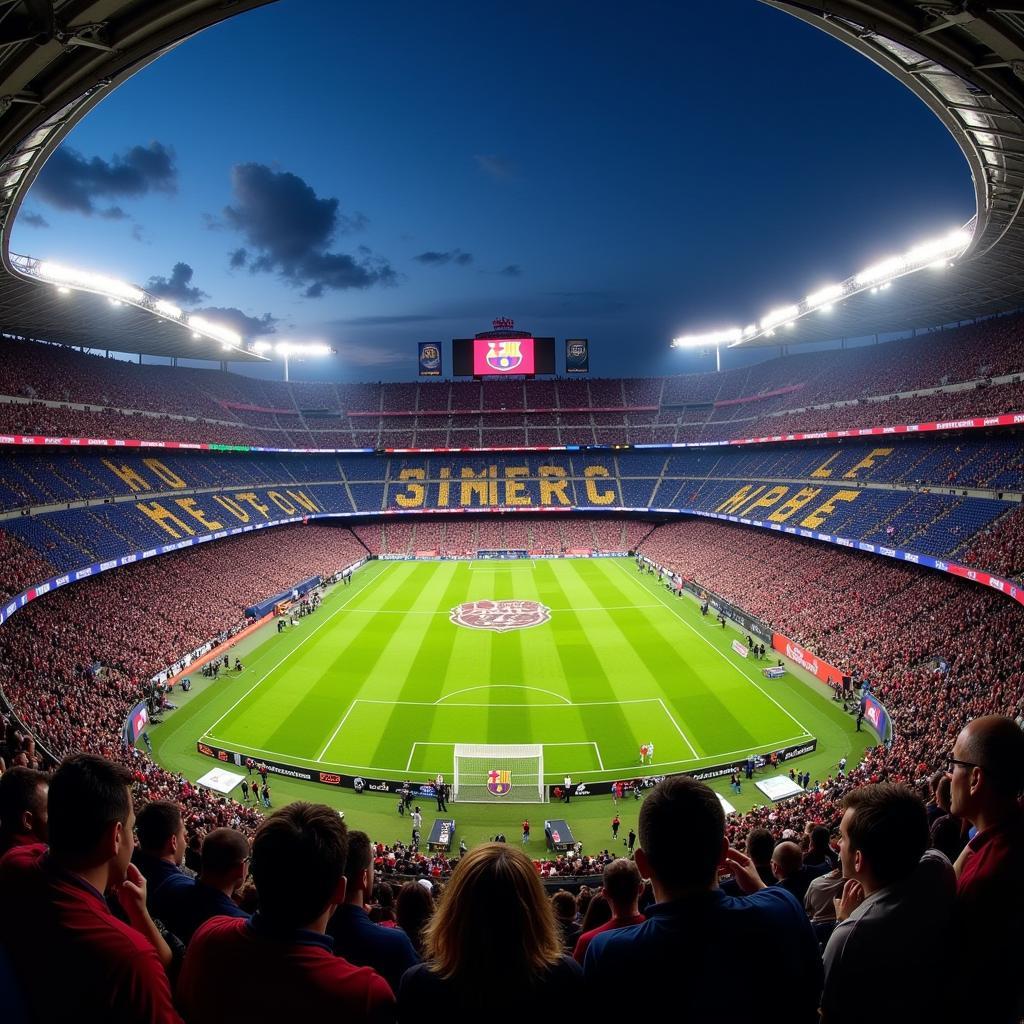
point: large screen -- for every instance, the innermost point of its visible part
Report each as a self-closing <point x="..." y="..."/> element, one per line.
<point x="502" y="357"/>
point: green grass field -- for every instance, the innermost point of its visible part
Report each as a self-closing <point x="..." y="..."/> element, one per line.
<point x="381" y="682"/>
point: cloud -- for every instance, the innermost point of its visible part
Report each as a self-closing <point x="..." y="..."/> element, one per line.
<point x="238" y="259"/>
<point x="497" y="167"/>
<point x="512" y="270"/>
<point x="433" y="258"/>
<point x="247" y="326"/>
<point x="358" y="353"/>
<point x="178" y="287"/>
<point x="70" y="181"/>
<point x="394" y="320"/>
<point x="34" y="220"/>
<point x="288" y="229"/>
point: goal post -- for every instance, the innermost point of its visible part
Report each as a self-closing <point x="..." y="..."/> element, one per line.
<point x="510" y="773"/>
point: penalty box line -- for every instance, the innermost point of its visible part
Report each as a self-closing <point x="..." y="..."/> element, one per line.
<point x="722" y="654"/>
<point x="266" y="675"/>
<point x="438" y="743"/>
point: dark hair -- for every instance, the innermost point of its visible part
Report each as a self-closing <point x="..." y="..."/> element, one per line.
<point x="819" y="839"/>
<point x="599" y="912"/>
<point x="87" y="794"/>
<point x="682" y="826"/>
<point x="298" y="859"/>
<point x="414" y="908"/>
<point x="760" y="846"/>
<point x="156" y="823"/>
<point x="360" y="857"/>
<point x="223" y="849"/>
<point x="889" y="826"/>
<point x="564" y="905"/>
<point x="19" y="792"/>
<point x="621" y="880"/>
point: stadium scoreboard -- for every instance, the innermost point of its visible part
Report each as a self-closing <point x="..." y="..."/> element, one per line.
<point x="503" y="357"/>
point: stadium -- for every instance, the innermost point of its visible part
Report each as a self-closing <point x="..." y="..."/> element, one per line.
<point x="530" y="597"/>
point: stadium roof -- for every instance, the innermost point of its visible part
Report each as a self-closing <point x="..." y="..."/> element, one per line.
<point x="58" y="59"/>
<point x="967" y="64"/>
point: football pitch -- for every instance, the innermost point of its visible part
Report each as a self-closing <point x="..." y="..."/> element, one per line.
<point x="590" y="659"/>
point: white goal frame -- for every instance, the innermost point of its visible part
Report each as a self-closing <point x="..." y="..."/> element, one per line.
<point x="499" y="755"/>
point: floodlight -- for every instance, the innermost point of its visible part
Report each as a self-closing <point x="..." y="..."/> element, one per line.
<point x="823" y="295"/>
<point x="167" y="308"/>
<point x="720" y="337"/>
<point x="779" y="316"/>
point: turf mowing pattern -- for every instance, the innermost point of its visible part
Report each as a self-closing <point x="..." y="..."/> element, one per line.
<point x="380" y="682"/>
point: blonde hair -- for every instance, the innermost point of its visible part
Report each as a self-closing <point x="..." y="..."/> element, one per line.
<point x="494" y="926"/>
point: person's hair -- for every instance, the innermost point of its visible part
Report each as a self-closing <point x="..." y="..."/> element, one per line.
<point x="298" y="859"/>
<point x="87" y="794"/>
<point x="223" y="849"/>
<point x="996" y="744"/>
<point x="682" y="826"/>
<point x="621" y="880"/>
<point x="599" y="912"/>
<point x="760" y="845"/>
<point x="889" y="826"/>
<point x="943" y="793"/>
<point x="564" y="905"/>
<point x="819" y="840"/>
<point x="360" y="857"/>
<point x="20" y="792"/>
<point x="495" y="928"/>
<point x="384" y="898"/>
<point x="583" y="898"/>
<point x="413" y="909"/>
<point x="156" y="823"/>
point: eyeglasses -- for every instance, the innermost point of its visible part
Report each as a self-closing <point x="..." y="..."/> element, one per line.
<point x="952" y="762"/>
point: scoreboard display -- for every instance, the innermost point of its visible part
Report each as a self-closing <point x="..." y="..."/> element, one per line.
<point x="503" y="357"/>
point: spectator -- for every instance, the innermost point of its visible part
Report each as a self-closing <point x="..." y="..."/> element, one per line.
<point x="564" y="905"/>
<point x="760" y="847"/>
<point x="387" y="950"/>
<point x="819" y="853"/>
<point x="987" y="778"/>
<point x="947" y="832"/>
<point x="790" y="871"/>
<point x="74" y="960"/>
<point x="414" y="907"/>
<point x="819" y="902"/>
<point x="160" y="829"/>
<point x="224" y="867"/>
<point x="494" y="951"/>
<point x="686" y="949"/>
<point x="621" y="887"/>
<point x="22" y="807"/>
<point x="895" y="909"/>
<point x="298" y="865"/>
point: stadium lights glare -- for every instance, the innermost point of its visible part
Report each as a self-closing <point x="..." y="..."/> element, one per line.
<point x="217" y="331"/>
<point x="261" y="346"/>
<point x="722" y="337"/>
<point x="779" y="316"/>
<point x="824" y="296"/>
<point x="109" y="286"/>
<point x="291" y="348"/>
<point x="168" y="309"/>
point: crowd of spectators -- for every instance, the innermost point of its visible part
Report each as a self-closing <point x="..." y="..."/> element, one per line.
<point x="747" y="402"/>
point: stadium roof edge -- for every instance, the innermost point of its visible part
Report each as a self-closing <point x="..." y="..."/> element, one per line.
<point x="965" y="67"/>
<point x="57" y="61"/>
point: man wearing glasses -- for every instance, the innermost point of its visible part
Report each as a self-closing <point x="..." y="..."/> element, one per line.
<point x="986" y="780"/>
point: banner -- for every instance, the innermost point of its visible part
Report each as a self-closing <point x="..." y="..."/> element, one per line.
<point x="740" y="649"/>
<point x="135" y="723"/>
<point x="877" y="717"/>
<point x="430" y="359"/>
<point x="577" y="355"/>
<point x="809" y="662"/>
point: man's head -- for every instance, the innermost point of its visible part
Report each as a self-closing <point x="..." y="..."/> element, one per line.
<point x="359" y="869"/>
<point x="161" y="831"/>
<point x="883" y="834"/>
<point x="786" y="860"/>
<point x="90" y="815"/>
<point x="622" y="886"/>
<point x="224" y="859"/>
<point x="564" y="905"/>
<point x="298" y="864"/>
<point x="760" y="846"/>
<point x="23" y="793"/>
<point x="987" y="768"/>
<point x="682" y="836"/>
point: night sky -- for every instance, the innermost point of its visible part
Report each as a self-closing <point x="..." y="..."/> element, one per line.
<point x="375" y="175"/>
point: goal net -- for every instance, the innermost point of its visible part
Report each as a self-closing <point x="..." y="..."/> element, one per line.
<point x="510" y="773"/>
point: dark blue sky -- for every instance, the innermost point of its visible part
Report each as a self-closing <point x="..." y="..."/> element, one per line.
<point x="619" y="172"/>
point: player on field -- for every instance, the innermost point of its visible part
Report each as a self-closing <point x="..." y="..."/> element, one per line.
<point x="526" y="830"/>
<point x="643" y="753"/>
<point x="650" y="753"/>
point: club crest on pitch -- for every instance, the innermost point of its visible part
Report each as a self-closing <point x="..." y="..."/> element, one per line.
<point x="499" y="781"/>
<point x="500" y="616"/>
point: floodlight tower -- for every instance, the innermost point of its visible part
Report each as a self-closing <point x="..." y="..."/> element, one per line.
<point x="291" y="349"/>
<point x="712" y="338"/>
